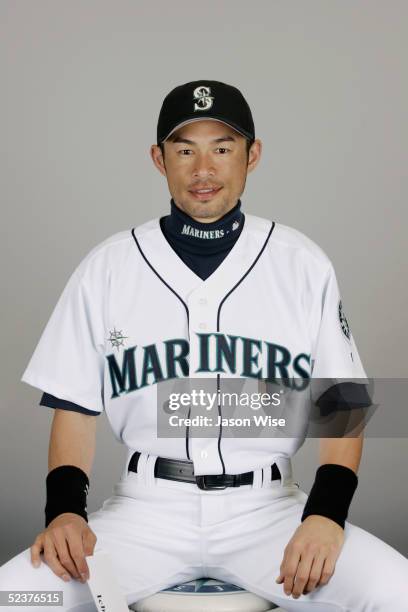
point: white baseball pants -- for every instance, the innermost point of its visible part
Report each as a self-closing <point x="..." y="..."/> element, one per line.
<point x="161" y="532"/>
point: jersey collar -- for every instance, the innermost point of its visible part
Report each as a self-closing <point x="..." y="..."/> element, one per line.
<point x="170" y="269"/>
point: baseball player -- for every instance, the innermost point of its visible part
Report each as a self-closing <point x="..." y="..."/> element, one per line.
<point x="210" y="292"/>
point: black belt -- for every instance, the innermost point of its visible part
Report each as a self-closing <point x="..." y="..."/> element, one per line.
<point x="183" y="471"/>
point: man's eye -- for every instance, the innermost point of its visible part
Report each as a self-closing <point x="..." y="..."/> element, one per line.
<point x="222" y="150"/>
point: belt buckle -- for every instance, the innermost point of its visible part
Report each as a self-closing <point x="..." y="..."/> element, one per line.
<point x="202" y="484"/>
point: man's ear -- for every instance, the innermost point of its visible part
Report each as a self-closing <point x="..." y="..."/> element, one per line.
<point x="158" y="159"/>
<point x="254" y="154"/>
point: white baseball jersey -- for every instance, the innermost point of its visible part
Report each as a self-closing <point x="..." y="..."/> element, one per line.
<point x="134" y="314"/>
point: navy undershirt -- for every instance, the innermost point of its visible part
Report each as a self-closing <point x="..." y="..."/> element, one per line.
<point x="202" y="246"/>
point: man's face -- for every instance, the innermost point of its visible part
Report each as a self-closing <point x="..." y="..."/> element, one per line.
<point x="206" y="165"/>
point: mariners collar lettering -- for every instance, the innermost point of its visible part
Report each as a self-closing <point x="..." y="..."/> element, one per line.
<point x="184" y="228"/>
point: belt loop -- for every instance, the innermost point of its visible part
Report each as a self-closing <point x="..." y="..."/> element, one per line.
<point x="266" y="481"/>
<point x="285" y="467"/>
<point x="149" y="470"/>
<point x="257" y="483"/>
<point x="130" y="452"/>
<point x="142" y="468"/>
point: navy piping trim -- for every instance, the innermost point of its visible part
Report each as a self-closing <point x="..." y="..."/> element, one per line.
<point x="161" y="278"/>
<point x="244" y="276"/>
<point x="177" y="296"/>
<point x="218" y="327"/>
<point x="188" y="434"/>
<point x="220" y="415"/>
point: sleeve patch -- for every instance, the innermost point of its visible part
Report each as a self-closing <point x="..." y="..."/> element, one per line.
<point x="345" y="328"/>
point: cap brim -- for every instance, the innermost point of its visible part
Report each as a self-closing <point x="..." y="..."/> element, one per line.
<point x="205" y="118"/>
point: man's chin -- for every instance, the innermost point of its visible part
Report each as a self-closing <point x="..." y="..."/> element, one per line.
<point x="205" y="209"/>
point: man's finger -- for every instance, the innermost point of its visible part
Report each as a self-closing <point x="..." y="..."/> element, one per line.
<point x="281" y="575"/>
<point x="63" y="554"/>
<point x="315" y="573"/>
<point x="50" y="557"/>
<point x="76" y="550"/>
<point x="302" y="574"/>
<point x="35" y="551"/>
<point x="328" y="568"/>
<point x="289" y="570"/>
<point x="89" y="541"/>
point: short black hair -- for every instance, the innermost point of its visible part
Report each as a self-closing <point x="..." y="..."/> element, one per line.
<point x="249" y="142"/>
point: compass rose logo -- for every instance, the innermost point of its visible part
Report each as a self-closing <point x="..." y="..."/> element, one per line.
<point x="117" y="338"/>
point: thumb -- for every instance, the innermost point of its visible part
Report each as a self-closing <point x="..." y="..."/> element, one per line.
<point x="279" y="579"/>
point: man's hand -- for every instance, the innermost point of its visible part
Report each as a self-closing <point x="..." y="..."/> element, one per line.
<point x="65" y="542"/>
<point x="310" y="555"/>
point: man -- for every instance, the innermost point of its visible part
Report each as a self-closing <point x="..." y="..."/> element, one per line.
<point x="206" y="292"/>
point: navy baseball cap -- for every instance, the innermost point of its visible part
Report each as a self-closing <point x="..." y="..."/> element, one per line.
<point x="204" y="100"/>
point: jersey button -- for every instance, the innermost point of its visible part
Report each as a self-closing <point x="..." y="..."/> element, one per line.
<point x="202" y="326"/>
<point x="202" y="301"/>
<point x="204" y="454"/>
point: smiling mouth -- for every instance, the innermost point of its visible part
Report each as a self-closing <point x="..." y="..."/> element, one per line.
<point x="205" y="193"/>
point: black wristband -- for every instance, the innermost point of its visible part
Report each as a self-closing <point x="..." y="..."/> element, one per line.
<point x="331" y="493"/>
<point x="67" y="488"/>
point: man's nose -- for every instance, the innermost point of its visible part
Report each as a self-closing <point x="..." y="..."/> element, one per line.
<point x="204" y="166"/>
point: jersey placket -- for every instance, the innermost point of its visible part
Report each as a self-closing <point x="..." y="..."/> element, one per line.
<point x="203" y="451"/>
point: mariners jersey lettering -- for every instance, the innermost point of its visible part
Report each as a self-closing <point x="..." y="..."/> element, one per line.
<point x="134" y="314"/>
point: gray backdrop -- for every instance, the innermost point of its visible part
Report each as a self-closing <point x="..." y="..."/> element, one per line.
<point x="82" y="84"/>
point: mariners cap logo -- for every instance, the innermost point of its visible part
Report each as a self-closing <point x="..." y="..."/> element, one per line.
<point x="204" y="100"/>
<point x="345" y="328"/>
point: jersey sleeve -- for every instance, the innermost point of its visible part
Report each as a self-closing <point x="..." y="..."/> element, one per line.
<point x="339" y="378"/>
<point x="68" y="361"/>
